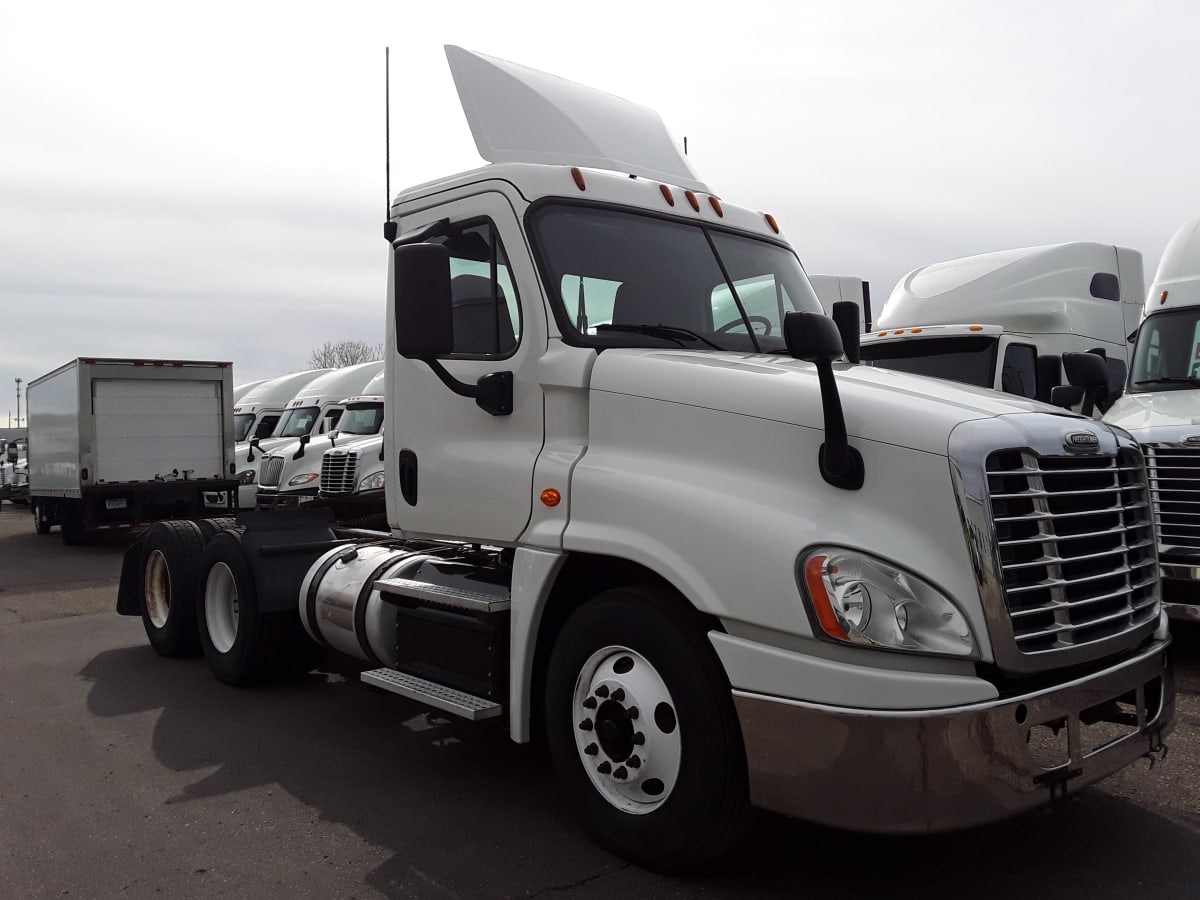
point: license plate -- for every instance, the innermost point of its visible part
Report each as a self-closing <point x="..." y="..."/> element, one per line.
<point x="114" y="503"/>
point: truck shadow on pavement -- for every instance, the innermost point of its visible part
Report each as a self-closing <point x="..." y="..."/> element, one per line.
<point x="461" y="811"/>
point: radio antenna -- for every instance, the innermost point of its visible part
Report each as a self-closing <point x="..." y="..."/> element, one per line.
<point x="389" y="227"/>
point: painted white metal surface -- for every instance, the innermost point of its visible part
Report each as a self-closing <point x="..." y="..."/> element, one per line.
<point x="518" y="114"/>
<point x="151" y="430"/>
<point x="54" y="429"/>
<point x="1178" y="271"/>
<point x="831" y="289"/>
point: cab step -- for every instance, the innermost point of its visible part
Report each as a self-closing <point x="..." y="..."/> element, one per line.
<point x="447" y="699"/>
<point x="447" y="597"/>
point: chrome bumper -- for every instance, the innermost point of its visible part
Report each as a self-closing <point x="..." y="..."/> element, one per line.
<point x="1182" y="572"/>
<point x="942" y="769"/>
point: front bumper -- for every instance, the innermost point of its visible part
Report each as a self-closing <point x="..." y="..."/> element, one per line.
<point x="1181" y="590"/>
<point x="268" y="500"/>
<point x="942" y="769"/>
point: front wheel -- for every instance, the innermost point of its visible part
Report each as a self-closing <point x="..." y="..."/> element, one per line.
<point x="643" y="733"/>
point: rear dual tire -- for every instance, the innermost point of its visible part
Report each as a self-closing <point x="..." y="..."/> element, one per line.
<point x="170" y="583"/>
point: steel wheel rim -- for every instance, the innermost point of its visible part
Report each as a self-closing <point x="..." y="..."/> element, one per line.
<point x="221" y="607"/>
<point x="157" y="588"/>
<point x="626" y="729"/>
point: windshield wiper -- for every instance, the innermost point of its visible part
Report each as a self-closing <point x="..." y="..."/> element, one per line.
<point x="1170" y="379"/>
<point x="670" y="332"/>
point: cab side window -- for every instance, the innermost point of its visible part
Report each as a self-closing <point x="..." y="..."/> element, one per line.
<point x="1019" y="374"/>
<point x="487" y="314"/>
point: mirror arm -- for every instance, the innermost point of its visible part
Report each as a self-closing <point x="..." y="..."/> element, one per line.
<point x="841" y="464"/>
<point x="493" y="393"/>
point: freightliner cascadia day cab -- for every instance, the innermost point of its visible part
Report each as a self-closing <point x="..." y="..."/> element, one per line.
<point x="1004" y="319"/>
<point x="1161" y="409"/>
<point x="118" y="443"/>
<point x="353" y="476"/>
<point x="714" y="565"/>
<point x="288" y="474"/>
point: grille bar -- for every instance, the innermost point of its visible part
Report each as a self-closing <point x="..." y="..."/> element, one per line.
<point x="270" y="471"/>
<point x="339" y="472"/>
<point x="1078" y="559"/>
<point x="1174" y="474"/>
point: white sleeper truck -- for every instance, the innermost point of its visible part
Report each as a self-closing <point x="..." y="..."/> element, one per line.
<point x="714" y="565"/>
<point x="1003" y="320"/>
<point x="118" y="443"/>
<point x="1161" y="409"/>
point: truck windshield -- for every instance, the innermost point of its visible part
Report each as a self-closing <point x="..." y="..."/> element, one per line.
<point x="621" y="278"/>
<point x="241" y="426"/>
<point x="1167" y="354"/>
<point x="366" y="418"/>
<point x="297" y="422"/>
<point x="970" y="360"/>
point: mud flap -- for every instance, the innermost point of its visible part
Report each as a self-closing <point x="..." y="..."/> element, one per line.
<point x="129" y="594"/>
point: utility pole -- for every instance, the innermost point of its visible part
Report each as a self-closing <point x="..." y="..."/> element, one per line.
<point x="18" y="402"/>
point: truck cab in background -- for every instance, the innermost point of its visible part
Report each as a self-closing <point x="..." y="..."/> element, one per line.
<point x="1003" y="320"/>
<point x="289" y="474"/>
<point x="1161" y="409"/>
<point x="831" y="289"/>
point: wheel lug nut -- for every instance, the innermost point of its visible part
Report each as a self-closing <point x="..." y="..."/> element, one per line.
<point x="632" y="712"/>
<point x="619" y="695"/>
<point x="634" y="762"/>
<point x="639" y="738"/>
<point x="621" y="772"/>
<point x="586" y="725"/>
<point x="591" y="749"/>
<point x="602" y="691"/>
<point x="604" y="768"/>
<point x="589" y="703"/>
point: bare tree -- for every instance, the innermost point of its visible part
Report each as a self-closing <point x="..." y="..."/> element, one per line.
<point x="335" y="354"/>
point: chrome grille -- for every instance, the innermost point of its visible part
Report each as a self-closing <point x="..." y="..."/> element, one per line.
<point x="339" y="469"/>
<point x="270" y="470"/>
<point x="1077" y="557"/>
<point x="1174" y="474"/>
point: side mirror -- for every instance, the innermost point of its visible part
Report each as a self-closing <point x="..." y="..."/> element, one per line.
<point x="814" y="338"/>
<point x="421" y="300"/>
<point x="299" y="454"/>
<point x="12" y="453"/>
<point x="845" y="316"/>
<point x="1089" y="372"/>
<point x="253" y="446"/>
<point x="1066" y="396"/>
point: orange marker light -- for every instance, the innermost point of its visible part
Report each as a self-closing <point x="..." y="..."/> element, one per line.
<point x="816" y="589"/>
<point x="771" y="221"/>
<point x="551" y="498"/>
<point x="716" y="205"/>
<point x="578" y="176"/>
<point x="917" y="330"/>
<point x="692" y="199"/>
<point x="667" y="195"/>
<point x="1163" y="298"/>
<point x="898" y="331"/>
<point x="975" y="328"/>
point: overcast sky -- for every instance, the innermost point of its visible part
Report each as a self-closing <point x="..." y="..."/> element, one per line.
<point x="206" y="181"/>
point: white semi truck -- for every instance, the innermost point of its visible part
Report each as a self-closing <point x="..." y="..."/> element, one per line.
<point x="289" y="473"/>
<point x="118" y="443"/>
<point x="1003" y="320"/>
<point x="1161" y="409"/>
<point x="353" y="479"/>
<point x="713" y="565"/>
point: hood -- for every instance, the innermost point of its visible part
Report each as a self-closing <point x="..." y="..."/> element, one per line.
<point x="879" y="404"/>
<point x="1137" y="412"/>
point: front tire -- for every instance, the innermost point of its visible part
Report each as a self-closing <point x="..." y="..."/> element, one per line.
<point x="643" y="733"/>
<point x="171" y="559"/>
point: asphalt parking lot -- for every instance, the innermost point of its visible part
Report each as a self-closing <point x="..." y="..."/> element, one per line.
<point x="126" y="775"/>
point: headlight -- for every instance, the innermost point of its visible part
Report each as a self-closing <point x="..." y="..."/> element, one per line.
<point x="372" y="482"/>
<point x="859" y="599"/>
<point x="247" y="476"/>
<point x="304" y="478"/>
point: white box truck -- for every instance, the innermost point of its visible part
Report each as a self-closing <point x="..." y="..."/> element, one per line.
<point x="119" y="443"/>
<point x="715" y="566"/>
<point x="1161" y="409"/>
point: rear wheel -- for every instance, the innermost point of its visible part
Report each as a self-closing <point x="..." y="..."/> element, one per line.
<point x="227" y="612"/>
<point x="643" y="733"/>
<point x="41" y="518"/>
<point x="171" y="557"/>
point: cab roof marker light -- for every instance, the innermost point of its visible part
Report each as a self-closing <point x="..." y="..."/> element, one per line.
<point x="693" y="200"/>
<point x="716" y="205"/>
<point x="881" y="334"/>
<point x="577" y="174"/>
<point x="898" y="331"/>
<point x="975" y="328"/>
<point x="1163" y="298"/>
<point x="917" y="330"/>
<point x="771" y="222"/>
<point x="668" y="195"/>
